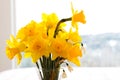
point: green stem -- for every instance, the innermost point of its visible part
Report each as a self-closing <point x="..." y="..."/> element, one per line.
<point x="39" y="70"/>
<point x="61" y="21"/>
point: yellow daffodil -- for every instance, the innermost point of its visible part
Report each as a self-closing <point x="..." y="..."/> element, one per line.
<point x="74" y="52"/>
<point x="50" y="20"/>
<point x="77" y="17"/>
<point x="76" y="38"/>
<point x="11" y="52"/>
<point x="14" y="48"/>
<point x="37" y="48"/>
<point x="58" y="48"/>
<point x="28" y="31"/>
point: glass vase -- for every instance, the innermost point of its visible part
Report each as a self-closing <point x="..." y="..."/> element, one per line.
<point x="49" y="69"/>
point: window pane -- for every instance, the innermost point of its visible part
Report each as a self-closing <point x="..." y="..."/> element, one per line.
<point x="101" y="35"/>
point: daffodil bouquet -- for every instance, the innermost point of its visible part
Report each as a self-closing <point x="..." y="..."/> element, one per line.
<point x="48" y="44"/>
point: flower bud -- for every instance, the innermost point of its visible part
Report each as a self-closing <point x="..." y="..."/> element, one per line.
<point x="64" y="75"/>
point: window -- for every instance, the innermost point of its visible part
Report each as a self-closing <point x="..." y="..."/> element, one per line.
<point x="101" y="35"/>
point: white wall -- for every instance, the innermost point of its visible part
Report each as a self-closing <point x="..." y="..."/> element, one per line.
<point x="5" y="30"/>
